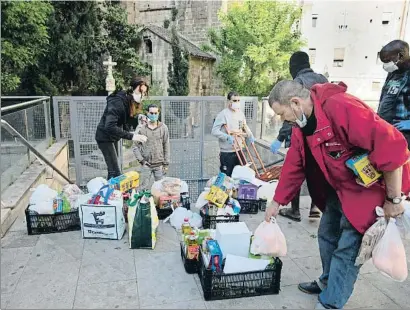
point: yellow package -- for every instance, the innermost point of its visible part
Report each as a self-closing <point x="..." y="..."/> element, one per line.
<point x="217" y="196"/>
<point x="126" y="181"/>
<point x="366" y="172"/>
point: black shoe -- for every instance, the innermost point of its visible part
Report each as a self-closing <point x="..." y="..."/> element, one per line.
<point x="288" y="213"/>
<point x="310" y="287"/>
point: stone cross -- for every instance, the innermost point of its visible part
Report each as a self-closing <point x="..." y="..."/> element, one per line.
<point x="109" y="81"/>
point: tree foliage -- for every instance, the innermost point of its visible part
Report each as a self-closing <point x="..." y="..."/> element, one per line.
<point x="178" y="70"/>
<point x="254" y="44"/>
<point x="76" y="37"/>
<point x="24" y="38"/>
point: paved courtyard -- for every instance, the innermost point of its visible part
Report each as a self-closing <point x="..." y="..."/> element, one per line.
<point x="64" y="271"/>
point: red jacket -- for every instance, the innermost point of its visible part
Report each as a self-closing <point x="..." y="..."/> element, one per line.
<point x="344" y="124"/>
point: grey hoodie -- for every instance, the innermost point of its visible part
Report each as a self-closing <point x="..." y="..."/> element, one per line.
<point x="156" y="150"/>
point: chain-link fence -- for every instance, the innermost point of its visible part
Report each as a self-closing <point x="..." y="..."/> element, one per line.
<point x="34" y="124"/>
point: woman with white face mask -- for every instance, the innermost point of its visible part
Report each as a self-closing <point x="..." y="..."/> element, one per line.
<point x="122" y="107"/>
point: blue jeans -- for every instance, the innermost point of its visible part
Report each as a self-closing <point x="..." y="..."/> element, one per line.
<point x="339" y="244"/>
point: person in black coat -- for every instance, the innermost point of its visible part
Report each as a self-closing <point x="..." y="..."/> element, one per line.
<point x="299" y="67"/>
<point x="122" y="107"/>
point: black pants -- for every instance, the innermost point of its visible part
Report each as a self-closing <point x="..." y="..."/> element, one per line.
<point x="228" y="161"/>
<point x="110" y="153"/>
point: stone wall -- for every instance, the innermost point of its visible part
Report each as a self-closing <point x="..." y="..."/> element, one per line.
<point x="200" y="76"/>
<point x="159" y="59"/>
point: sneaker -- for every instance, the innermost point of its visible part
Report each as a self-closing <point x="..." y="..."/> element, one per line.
<point x="314" y="212"/>
<point x="310" y="287"/>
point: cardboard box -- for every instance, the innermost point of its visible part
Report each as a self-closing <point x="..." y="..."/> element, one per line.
<point x="126" y="181"/>
<point x="362" y="167"/>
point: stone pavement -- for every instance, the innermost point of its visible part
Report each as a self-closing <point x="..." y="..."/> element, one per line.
<point x="64" y="271"/>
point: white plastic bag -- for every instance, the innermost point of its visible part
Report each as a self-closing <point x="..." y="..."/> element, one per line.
<point x="389" y="256"/>
<point x="178" y="216"/>
<point x="243" y="173"/>
<point x="201" y="201"/>
<point x="403" y="222"/>
<point x="269" y="240"/>
<point x="371" y="237"/>
<point x="195" y="220"/>
<point x="95" y="184"/>
<point x="41" y="201"/>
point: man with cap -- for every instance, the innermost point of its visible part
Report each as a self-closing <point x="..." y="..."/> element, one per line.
<point x="299" y="67"/>
<point x="394" y="104"/>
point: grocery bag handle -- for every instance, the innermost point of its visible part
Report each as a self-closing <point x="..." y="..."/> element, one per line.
<point x="137" y="197"/>
<point x="101" y="194"/>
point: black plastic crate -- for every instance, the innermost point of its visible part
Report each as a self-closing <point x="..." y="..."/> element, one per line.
<point x="165" y="212"/>
<point x="52" y="223"/>
<point x="190" y="265"/>
<point x="249" y="206"/>
<point x="218" y="286"/>
<point x="262" y="204"/>
<point x="210" y="221"/>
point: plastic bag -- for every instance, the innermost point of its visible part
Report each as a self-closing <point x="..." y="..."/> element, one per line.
<point x="269" y="240"/>
<point x="72" y="192"/>
<point x="41" y="201"/>
<point x="178" y="216"/>
<point x="195" y="220"/>
<point x="142" y="221"/>
<point x="389" y="256"/>
<point x="167" y="187"/>
<point x="371" y="237"/>
<point x="201" y="201"/>
<point x="95" y="184"/>
<point x="403" y="221"/>
<point x="243" y="173"/>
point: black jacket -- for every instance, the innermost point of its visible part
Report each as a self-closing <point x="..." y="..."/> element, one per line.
<point x="114" y="119"/>
<point x="308" y="78"/>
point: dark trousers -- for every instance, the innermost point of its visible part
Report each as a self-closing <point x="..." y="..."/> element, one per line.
<point x="228" y="161"/>
<point x="110" y="153"/>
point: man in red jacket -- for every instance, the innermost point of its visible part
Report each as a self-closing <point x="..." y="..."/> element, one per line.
<point x="331" y="126"/>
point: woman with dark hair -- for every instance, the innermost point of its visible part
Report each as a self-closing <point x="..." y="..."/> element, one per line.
<point x="122" y="107"/>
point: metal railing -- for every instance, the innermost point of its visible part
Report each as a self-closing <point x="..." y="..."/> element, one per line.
<point x="30" y="119"/>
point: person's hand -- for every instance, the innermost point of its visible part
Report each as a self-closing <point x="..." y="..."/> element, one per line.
<point x="165" y="169"/>
<point x="275" y="146"/>
<point x="139" y="138"/>
<point x="229" y="139"/>
<point x="392" y="210"/>
<point x="402" y="125"/>
<point x="145" y="163"/>
<point x="271" y="211"/>
<point x="251" y="139"/>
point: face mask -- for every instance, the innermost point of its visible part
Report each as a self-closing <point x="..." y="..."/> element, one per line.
<point x="153" y="117"/>
<point x="301" y="123"/>
<point x="390" y="67"/>
<point x="235" y="105"/>
<point x="137" y="97"/>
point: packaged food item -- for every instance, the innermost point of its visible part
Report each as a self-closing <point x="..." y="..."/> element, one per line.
<point x="217" y="196"/>
<point x="363" y="169"/>
<point x="125" y="182"/>
<point x="193" y="246"/>
<point x="215" y="253"/>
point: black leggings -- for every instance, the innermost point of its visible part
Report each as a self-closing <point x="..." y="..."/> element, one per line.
<point x="110" y="153"/>
<point x="228" y="161"/>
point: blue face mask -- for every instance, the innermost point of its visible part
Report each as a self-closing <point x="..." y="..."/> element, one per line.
<point x="153" y="117"/>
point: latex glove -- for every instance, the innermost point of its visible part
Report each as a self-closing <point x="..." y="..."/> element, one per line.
<point x="139" y="138"/>
<point x="402" y="125"/>
<point x="271" y="211"/>
<point x="145" y="163"/>
<point x="251" y="140"/>
<point x="275" y="146"/>
<point x="229" y="139"/>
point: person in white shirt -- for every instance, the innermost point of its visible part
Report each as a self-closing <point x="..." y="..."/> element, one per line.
<point x="235" y="120"/>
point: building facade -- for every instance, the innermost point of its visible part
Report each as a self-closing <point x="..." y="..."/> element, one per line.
<point x="344" y="38"/>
